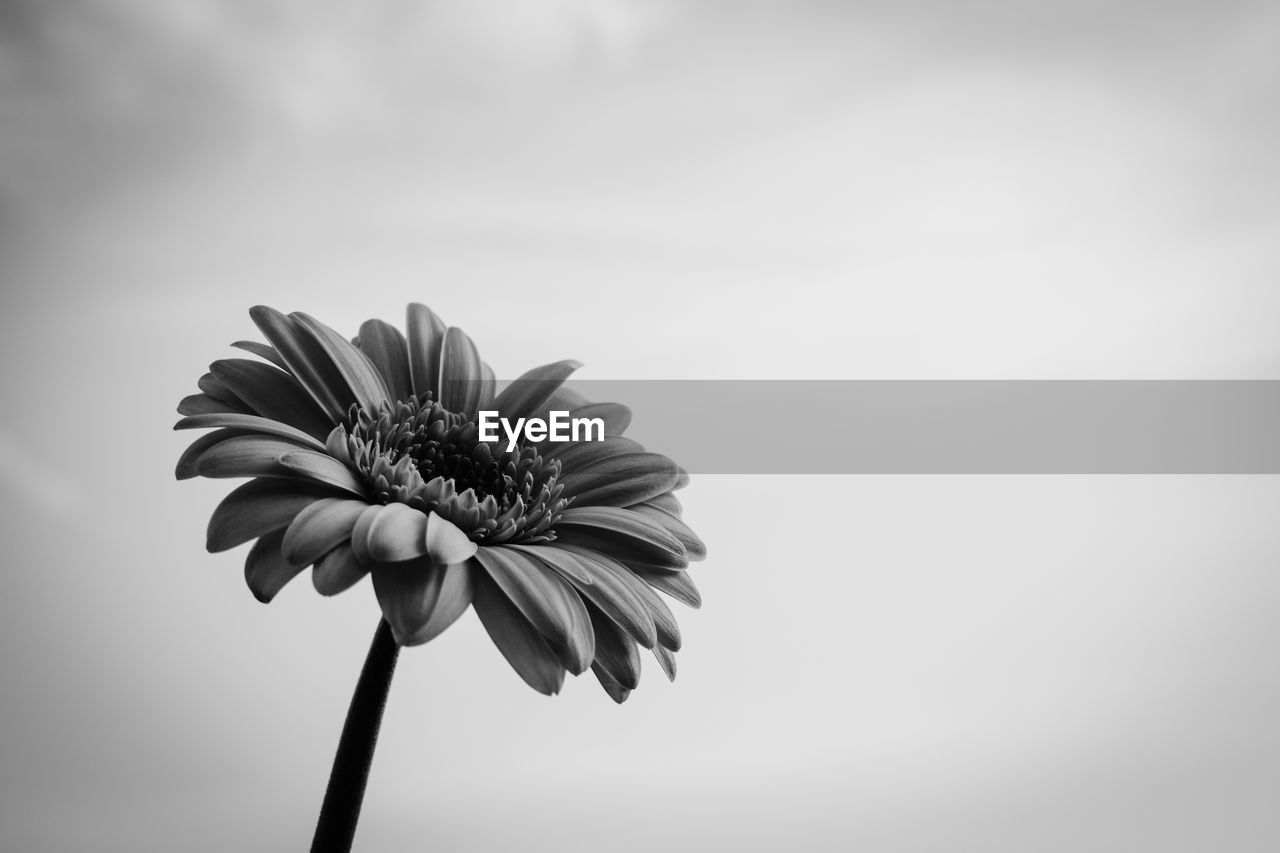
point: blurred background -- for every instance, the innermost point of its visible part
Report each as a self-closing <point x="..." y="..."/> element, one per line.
<point x="660" y="189"/>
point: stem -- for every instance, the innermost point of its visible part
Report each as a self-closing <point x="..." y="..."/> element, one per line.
<point x="341" y="810"/>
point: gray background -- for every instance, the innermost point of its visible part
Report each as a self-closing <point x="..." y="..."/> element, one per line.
<point x="662" y="190"/>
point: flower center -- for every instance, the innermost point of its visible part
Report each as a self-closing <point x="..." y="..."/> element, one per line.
<point x="417" y="453"/>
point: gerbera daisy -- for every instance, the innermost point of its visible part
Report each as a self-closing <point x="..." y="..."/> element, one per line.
<point x="365" y="459"/>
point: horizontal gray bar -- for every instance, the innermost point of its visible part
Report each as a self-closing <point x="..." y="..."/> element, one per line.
<point x="954" y="427"/>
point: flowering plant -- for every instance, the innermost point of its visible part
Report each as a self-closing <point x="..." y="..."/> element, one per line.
<point x="365" y="458"/>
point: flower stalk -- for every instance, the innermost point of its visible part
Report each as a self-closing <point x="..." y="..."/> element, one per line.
<point x="336" y="827"/>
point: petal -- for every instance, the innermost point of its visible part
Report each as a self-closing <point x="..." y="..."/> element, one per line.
<point x="266" y="571"/>
<point x="249" y="424"/>
<point x="420" y="599"/>
<point x="246" y="456"/>
<point x="616" y="654"/>
<point x="256" y="508"/>
<point x="318" y="529"/>
<point x="516" y="639"/>
<point x="666" y="660"/>
<point x="337" y="571"/>
<point x="210" y="385"/>
<point x="665" y="629"/>
<point x="266" y="456"/>
<point x="586" y="453"/>
<point x="306" y="360"/>
<point x="610" y="591"/>
<point x="335" y="444"/>
<point x="396" y="534"/>
<point x="488" y="386"/>
<point x="630" y="551"/>
<point x="667" y="502"/>
<point x="407" y="593"/>
<point x="548" y="601"/>
<point x="622" y="480"/>
<point x="560" y="560"/>
<point x="563" y="400"/>
<point x="455" y="597"/>
<point x="322" y="468"/>
<point x="186" y="467"/>
<point x="525" y="395"/>
<point x="664" y="621"/>
<point x="616" y="691"/>
<point x="461" y="376"/>
<point x="272" y="393"/>
<point x="694" y="548"/>
<point x="616" y="416"/>
<point x="262" y="351"/>
<point x="203" y="404"/>
<point x="361" y="376"/>
<point x="446" y="543"/>
<point x="678" y="585"/>
<point x="387" y="349"/>
<point x="624" y="529"/>
<point x="426" y="337"/>
<point x="360" y="533"/>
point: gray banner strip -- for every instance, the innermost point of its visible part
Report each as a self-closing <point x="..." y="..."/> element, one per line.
<point x="954" y="427"/>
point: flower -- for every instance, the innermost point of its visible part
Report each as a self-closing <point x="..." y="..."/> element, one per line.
<point x="365" y="459"/>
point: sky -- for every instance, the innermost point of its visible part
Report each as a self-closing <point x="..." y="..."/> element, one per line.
<point x="662" y="190"/>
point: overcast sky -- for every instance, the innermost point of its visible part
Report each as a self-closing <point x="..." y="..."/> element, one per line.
<point x="660" y="190"/>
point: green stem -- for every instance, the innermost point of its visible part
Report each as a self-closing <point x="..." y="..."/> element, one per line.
<point x="341" y="810"/>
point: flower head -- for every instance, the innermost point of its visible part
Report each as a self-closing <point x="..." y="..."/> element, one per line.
<point x="366" y="459"/>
